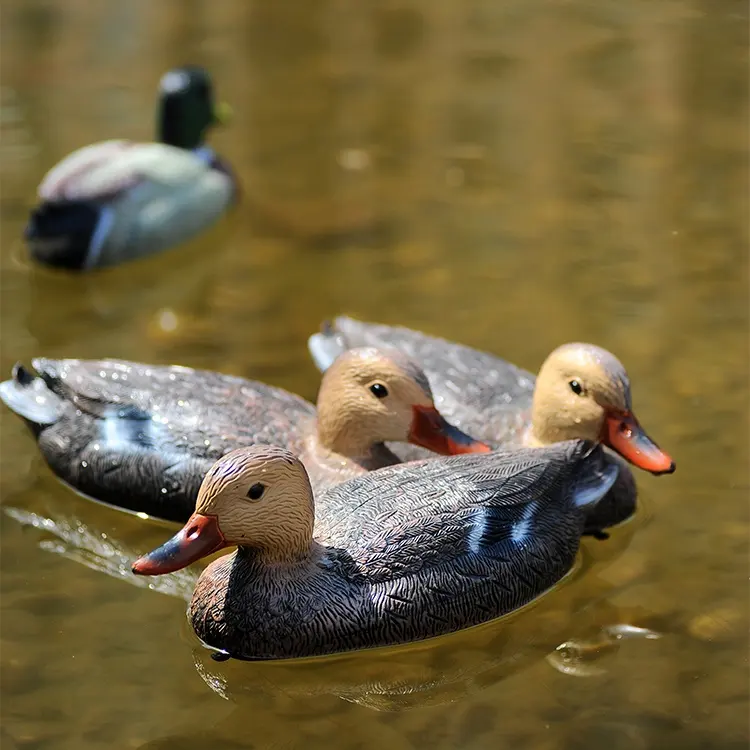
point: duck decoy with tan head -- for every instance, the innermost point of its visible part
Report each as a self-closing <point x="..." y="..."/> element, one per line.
<point x="582" y="392"/>
<point x="142" y="437"/>
<point x="449" y="543"/>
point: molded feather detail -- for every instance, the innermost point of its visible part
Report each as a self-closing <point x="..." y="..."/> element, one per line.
<point x="436" y="546"/>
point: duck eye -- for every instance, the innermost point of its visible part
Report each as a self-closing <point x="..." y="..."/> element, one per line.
<point x="256" y="491"/>
<point x="576" y="387"/>
<point x="378" y="390"/>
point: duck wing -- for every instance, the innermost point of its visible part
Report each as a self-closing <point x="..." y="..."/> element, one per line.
<point x="409" y="517"/>
<point x="103" y="170"/>
<point x="448" y="543"/>
<point x="142" y="437"/>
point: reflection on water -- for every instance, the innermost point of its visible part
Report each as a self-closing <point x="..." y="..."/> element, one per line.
<point x="508" y="175"/>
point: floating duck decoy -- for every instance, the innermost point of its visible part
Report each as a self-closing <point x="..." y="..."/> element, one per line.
<point x="435" y="546"/>
<point x="397" y="679"/>
<point x="582" y="391"/>
<point x="119" y="200"/>
<point x="142" y="437"/>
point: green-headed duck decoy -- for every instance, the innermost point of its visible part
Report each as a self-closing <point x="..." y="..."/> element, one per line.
<point x="435" y="546"/>
<point x="142" y="437"/>
<point x="118" y="200"/>
<point x="582" y="392"/>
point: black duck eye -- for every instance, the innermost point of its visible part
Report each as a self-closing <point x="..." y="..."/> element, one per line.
<point x="378" y="390"/>
<point x="576" y="387"/>
<point x="256" y="491"/>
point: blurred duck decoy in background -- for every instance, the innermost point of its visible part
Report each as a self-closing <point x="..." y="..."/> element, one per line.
<point x="434" y="546"/>
<point x="118" y="200"/>
<point x="142" y="437"/>
<point x="581" y="392"/>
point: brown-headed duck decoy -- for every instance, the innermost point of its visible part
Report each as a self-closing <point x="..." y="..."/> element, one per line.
<point x="118" y="200"/>
<point x="142" y="437"/>
<point x="435" y="546"/>
<point x="582" y="392"/>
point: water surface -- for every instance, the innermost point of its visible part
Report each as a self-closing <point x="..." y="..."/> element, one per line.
<point x="511" y="175"/>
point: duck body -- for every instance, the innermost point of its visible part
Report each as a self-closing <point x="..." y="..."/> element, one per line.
<point x="436" y="546"/>
<point x="141" y="437"/>
<point x="119" y="200"/>
<point x="484" y="394"/>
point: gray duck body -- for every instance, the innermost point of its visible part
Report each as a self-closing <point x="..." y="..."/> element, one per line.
<point x="145" y="217"/>
<point x="142" y="437"/>
<point x="479" y="392"/>
<point x="433" y="547"/>
<point x="119" y="200"/>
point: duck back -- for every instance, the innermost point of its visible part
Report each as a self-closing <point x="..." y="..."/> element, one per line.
<point x="142" y="437"/>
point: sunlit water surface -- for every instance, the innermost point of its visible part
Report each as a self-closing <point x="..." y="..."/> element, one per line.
<point x="511" y="175"/>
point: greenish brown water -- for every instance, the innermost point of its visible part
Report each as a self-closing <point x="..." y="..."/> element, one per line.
<point x="511" y="175"/>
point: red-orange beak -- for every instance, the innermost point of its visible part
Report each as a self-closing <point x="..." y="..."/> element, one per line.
<point x="199" y="537"/>
<point x="431" y="430"/>
<point x="622" y="433"/>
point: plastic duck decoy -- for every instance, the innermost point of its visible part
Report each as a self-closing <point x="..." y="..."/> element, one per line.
<point x="142" y="437"/>
<point x="437" y="546"/>
<point x="582" y="392"/>
<point x="118" y="200"/>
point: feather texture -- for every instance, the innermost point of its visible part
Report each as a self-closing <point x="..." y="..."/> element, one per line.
<point x="436" y="546"/>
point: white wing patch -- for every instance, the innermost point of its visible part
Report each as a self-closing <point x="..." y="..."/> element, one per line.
<point x="519" y="532"/>
<point x="476" y="534"/>
<point x="106" y="220"/>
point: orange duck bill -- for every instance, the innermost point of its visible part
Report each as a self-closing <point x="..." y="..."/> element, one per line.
<point x="623" y="434"/>
<point x="199" y="537"/>
<point x="429" y="429"/>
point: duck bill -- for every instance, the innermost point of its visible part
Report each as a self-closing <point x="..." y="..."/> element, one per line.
<point x="223" y="113"/>
<point x="429" y="429"/>
<point x="199" y="537"/>
<point x="623" y="434"/>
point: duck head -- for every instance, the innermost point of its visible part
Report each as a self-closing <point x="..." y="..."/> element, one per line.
<point x="583" y="391"/>
<point x="186" y="107"/>
<point x="257" y="497"/>
<point x="370" y="396"/>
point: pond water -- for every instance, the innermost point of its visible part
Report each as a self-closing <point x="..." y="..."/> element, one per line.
<point x="510" y="175"/>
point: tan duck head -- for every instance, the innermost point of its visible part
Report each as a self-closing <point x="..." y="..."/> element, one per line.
<point x="583" y="391"/>
<point x="371" y="396"/>
<point x="258" y="497"/>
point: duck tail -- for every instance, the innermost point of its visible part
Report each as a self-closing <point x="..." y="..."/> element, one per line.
<point x="61" y="234"/>
<point x="28" y="396"/>
<point x="325" y="347"/>
<point x="596" y="477"/>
